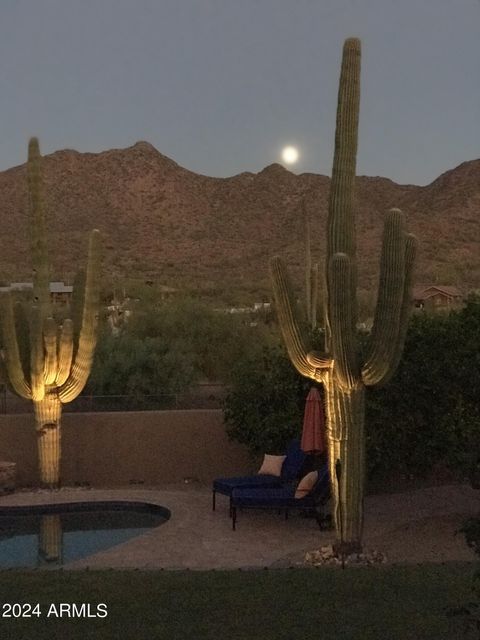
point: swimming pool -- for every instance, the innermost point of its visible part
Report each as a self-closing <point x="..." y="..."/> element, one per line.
<point x="53" y="535"/>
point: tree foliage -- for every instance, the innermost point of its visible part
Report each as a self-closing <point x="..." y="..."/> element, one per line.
<point x="133" y="366"/>
<point x="264" y="408"/>
<point x="430" y="412"/>
<point x="168" y="345"/>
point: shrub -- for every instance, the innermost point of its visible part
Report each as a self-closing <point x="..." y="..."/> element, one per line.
<point x="135" y="367"/>
<point x="429" y="413"/>
<point x="265" y="406"/>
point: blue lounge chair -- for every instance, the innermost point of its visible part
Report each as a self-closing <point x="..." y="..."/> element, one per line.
<point x="292" y="465"/>
<point x="284" y="498"/>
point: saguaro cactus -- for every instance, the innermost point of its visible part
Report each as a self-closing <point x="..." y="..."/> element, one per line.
<point x="339" y="367"/>
<point x="59" y="365"/>
<point x="311" y="277"/>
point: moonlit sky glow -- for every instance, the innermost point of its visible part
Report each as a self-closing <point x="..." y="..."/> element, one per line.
<point x="290" y="155"/>
<point x="220" y="85"/>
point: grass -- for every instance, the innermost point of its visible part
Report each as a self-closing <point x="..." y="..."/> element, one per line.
<point x="387" y="603"/>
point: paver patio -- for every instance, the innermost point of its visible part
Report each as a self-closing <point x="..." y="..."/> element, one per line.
<point x="418" y="526"/>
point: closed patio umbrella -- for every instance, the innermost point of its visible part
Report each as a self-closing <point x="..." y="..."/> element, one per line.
<point x="313" y="433"/>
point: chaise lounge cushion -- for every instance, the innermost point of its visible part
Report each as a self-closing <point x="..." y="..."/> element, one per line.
<point x="284" y="496"/>
<point x="227" y="485"/>
<point x="291" y="467"/>
<point x="272" y="497"/>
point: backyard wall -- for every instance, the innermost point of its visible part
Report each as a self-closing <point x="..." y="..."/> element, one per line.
<point x="113" y="449"/>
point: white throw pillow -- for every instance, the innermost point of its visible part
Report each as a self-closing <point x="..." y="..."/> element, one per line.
<point x="306" y="484"/>
<point x="271" y="465"/>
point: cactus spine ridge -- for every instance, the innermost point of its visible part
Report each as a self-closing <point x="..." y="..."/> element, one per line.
<point x="11" y="355"/>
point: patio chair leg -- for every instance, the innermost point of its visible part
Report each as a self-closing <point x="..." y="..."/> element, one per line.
<point x="213" y="500"/>
<point x="234" y="517"/>
<point x="230" y="508"/>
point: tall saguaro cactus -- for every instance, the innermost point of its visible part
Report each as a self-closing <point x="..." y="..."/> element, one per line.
<point x="340" y="368"/>
<point x="59" y="364"/>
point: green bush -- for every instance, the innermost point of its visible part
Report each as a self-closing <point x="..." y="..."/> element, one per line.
<point x="212" y="339"/>
<point x="429" y="413"/>
<point x="264" y="408"/>
<point x="135" y="367"/>
<point x="168" y="345"/>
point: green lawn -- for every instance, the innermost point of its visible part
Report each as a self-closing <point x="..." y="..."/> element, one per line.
<point x="365" y="603"/>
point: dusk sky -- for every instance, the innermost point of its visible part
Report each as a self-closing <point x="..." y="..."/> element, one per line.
<point x="221" y="86"/>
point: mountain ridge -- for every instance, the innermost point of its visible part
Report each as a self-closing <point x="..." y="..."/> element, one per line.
<point x="163" y="222"/>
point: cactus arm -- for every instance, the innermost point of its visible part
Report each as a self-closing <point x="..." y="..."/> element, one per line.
<point x="289" y="325"/>
<point x="41" y="272"/>
<point x="22" y="331"/>
<point x="87" y="339"/>
<point x="382" y="365"/>
<point x="308" y="267"/>
<point x="384" y="334"/>
<point x="65" y="353"/>
<point x="314" y="296"/>
<point x="37" y="358"/>
<point x="325" y="317"/>
<point x="76" y="305"/>
<point x="343" y="336"/>
<point x="12" y="359"/>
<point x="50" y="343"/>
<point x="319" y="360"/>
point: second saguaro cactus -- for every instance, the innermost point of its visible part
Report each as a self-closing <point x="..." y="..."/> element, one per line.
<point x="58" y="365"/>
<point x="311" y="277"/>
<point x="339" y="367"/>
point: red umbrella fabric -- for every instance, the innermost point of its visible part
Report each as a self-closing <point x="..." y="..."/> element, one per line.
<point x="313" y="433"/>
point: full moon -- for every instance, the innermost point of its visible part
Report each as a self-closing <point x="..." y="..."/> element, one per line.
<point x="290" y="155"/>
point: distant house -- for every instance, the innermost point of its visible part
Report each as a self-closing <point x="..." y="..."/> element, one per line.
<point x="239" y="310"/>
<point x="60" y="293"/>
<point x="437" y="297"/>
<point x="167" y="292"/>
<point x="261" y="306"/>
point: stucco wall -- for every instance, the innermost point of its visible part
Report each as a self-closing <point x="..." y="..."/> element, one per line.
<point x="112" y="449"/>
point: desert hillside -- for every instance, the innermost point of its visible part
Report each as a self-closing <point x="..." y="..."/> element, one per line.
<point x="179" y="228"/>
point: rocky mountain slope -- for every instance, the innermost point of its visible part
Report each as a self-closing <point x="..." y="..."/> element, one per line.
<point x="161" y="222"/>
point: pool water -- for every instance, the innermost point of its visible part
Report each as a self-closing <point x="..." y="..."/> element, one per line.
<point x="54" y="535"/>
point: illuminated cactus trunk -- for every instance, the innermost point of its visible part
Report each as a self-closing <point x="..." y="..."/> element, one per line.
<point x="338" y="367"/>
<point x="48" y="414"/>
<point x="345" y="416"/>
<point x="57" y="371"/>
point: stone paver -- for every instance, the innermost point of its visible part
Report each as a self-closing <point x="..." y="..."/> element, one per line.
<point x="409" y="527"/>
